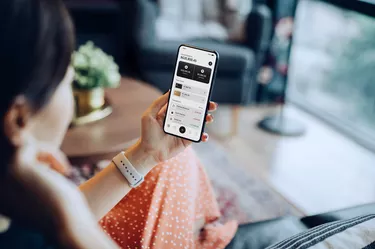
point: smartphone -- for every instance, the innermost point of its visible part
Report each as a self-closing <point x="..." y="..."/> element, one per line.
<point x="190" y="94"/>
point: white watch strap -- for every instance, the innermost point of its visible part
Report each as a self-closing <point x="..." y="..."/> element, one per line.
<point x="127" y="169"/>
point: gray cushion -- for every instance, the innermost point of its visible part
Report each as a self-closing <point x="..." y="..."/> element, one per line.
<point x="355" y="233"/>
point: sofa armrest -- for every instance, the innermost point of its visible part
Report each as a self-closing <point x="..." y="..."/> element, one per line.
<point x="140" y="20"/>
<point x="100" y="22"/>
<point x="259" y="31"/>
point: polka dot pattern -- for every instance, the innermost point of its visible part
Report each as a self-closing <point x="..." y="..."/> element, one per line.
<point x="161" y="212"/>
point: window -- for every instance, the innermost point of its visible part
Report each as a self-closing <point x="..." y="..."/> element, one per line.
<point x="332" y="67"/>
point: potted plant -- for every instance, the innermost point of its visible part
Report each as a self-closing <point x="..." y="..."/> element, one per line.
<point x="94" y="71"/>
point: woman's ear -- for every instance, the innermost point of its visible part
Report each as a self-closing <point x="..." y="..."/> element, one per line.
<point x="16" y="119"/>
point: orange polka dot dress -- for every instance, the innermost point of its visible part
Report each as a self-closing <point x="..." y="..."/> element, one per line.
<point x="163" y="210"/>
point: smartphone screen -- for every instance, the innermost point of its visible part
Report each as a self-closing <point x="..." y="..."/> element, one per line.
<point x="190" y="92"/>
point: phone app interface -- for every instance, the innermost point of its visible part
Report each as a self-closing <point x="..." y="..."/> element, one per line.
<point x="189" y="93"/>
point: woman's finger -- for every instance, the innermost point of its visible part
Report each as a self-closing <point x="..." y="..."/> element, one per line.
<point x="205" y="137"/>
<point x="162" y="112"/>
<point x="155" y="107"/>
<point x="54" y="163"/>
<point x="209" y="118"/>
<point x="36" y="153"/>
<point x="213" y="106"/>
<point x="55" y="158"/>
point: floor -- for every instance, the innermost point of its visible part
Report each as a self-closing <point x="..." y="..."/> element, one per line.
<point x="317" y="172"/>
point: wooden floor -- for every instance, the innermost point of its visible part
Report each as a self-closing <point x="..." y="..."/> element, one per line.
<point x="320" y="171"/>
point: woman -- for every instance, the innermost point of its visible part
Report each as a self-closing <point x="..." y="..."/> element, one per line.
<point x="36" y="108"/>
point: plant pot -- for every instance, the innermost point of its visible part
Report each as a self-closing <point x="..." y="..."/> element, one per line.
<point x="90" y="105"/>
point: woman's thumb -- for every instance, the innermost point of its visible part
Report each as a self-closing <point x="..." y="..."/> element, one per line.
<point x="158" y="104"/>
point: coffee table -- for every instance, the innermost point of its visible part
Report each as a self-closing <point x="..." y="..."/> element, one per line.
<point x="105" y="138"/>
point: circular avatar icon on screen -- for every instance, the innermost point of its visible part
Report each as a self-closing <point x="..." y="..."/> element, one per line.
<point x="186" y="67"/>
<point x="202" y="71"/>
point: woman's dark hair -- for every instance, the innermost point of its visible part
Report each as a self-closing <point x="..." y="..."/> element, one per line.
<point x="36" y="43"/>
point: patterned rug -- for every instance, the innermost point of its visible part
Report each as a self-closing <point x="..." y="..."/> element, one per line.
<point x="241" y="197"/>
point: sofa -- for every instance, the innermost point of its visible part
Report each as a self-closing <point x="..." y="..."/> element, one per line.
<point x="126" y="29"/>
<point x="235" y="80"/>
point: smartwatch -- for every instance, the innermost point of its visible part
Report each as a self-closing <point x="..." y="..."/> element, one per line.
<point x="133" y="177"/>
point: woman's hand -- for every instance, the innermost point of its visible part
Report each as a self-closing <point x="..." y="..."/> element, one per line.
<point x="155" y="145"/>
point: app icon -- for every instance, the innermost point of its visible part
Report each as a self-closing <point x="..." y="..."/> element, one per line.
<point x="182" y="129"/>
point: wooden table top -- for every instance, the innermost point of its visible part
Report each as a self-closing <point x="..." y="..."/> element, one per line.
<point x="105" y="138"/>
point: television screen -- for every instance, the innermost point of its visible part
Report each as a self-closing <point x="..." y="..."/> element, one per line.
<point x="332" y="67"/>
